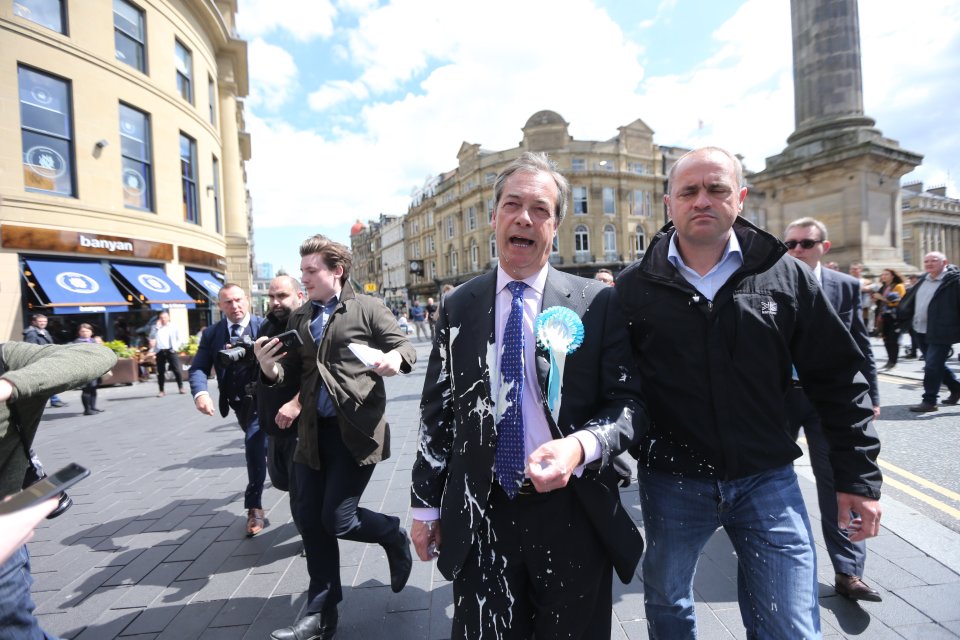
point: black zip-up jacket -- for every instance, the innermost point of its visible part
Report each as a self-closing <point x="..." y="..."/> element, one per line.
<point x="943" y="314"/>
<point x="715" y="373"/>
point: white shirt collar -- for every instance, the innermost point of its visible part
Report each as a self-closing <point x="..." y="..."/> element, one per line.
<point x="536" y="282"/>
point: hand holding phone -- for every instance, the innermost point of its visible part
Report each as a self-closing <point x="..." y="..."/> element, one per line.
<point x="290" y="339"/>
<point x="45" y="488"/>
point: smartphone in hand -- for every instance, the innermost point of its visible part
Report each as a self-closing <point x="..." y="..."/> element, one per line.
<point x="45" y="488"/>
<point x="290" y="339"/>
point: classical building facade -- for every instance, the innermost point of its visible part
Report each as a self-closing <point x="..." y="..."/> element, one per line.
<point x="122" y="150"/>
<point x="615" y="206"/>
<point x="931" y="222"/>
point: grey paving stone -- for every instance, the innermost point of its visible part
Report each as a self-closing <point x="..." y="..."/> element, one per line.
<point x="152" y="586"/>
<point x="939" y="602"/>
<point x="929" y="631"/>
<point x="109" y="624"/>
<point x="928" y="569"/>
<point x="192" y="621"/>
<point x="277" y="612"/>
<point x="196" y="545"/>
<point x="883" y="573"/>
<point x="153" y="620"/>
<point x="635" y="630"/>
<point x="135" y="571"/>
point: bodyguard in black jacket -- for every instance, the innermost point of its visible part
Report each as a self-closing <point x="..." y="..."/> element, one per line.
<point x="719" y="317"/>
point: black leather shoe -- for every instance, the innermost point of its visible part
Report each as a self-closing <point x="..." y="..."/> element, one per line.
<point x="400" y="561"/>
<point x="319" y="626"/>
<point x="854" y="588"/>
<point x="923" y="407"/>
<point x="954" y="398"/>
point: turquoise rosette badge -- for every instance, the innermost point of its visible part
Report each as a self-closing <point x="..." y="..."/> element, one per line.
<point x="560" y="331"/>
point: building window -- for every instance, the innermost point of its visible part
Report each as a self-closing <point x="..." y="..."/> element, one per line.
<point x="212" y="93"/>
<point x="580" y="200"/>
<point x="609" y="200"/>
<point x="581" y="239"/>
<point x="640" y="205"/>
<point x="637" y="167"/>
<point x="451" y="227"/>
<point x="431" y="245"/>
<point x="471" y="219"/>
<point x="432" y="269"/>
<point x="47" y="13"/>
<point x="490" y="178"/>
<point x="493" y="246"/>
<point x="454" y="263"/>
<point x="46" y="130"/>
<point x="555" y="248"/>
<point x="491" y="206"/>
<point x="578" y="164"/>
<point x="430" y="218"/>
<point x="216" y="195"/>
<point x="137" y="176"/>
<point x="609" y="239"/>
<point x="639" y="242"/>
<point x="129" y="35"/>
<point x="184" y="62"/>
<point x="474" y="255"/>
<point x="188" y="175"/>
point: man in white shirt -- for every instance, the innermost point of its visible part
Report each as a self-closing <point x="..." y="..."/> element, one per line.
<point x="167" y="344"/>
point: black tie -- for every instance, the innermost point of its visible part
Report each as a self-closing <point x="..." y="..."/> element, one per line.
<point x="235" y="331"/>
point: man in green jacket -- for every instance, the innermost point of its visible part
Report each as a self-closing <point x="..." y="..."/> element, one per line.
<point x="31" y="375"/>
<point x="342" y="430"/>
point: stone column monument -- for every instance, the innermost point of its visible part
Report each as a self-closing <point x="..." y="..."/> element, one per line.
<point x="837" y="166"/>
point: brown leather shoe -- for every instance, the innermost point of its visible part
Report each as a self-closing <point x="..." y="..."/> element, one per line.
<point x="254" y="522"/>
<point x="954" y="398"/>
<point x="854" y="588"/>
<point x="923" y="407"/>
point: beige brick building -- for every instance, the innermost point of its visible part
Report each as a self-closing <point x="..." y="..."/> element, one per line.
<point x="615" y="207"/>
<point x="931" y="222"/>
<point x="122" y="150"/>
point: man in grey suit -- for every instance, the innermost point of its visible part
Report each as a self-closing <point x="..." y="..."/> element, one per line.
<point x="513" y="485"/>
<point x="806" y="240"/>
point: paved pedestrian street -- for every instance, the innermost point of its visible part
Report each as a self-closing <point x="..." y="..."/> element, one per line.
<point x="154" y="546"/>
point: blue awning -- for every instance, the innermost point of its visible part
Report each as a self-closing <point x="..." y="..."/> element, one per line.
<point x="155" y="287"/>
<point x="76" y="287"/>
<point x="206" y="281"/>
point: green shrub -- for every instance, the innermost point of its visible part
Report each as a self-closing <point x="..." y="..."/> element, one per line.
<point x="120" y="348"/>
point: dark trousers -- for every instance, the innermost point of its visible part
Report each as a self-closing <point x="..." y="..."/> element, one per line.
<point x="280" y="450"/>
<point x="935" y="370"/>
<point x="847" y="557"/>
<point x="891" y="339"/>
<point x="255" y="450"/>
<point x="170" y="356"/>
<point x="537" y="568"/>
<point x="327" y="509"/>
<point x="88" y="395"/>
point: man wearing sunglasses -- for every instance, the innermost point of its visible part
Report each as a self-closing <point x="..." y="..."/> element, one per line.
<point x="807" y="241"/>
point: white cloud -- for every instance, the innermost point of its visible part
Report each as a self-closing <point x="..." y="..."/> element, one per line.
<point x="273" y="75"/>
<point x="430" y="74"/>
<point x="305" y="20"/>
<point x="335" y="92"/>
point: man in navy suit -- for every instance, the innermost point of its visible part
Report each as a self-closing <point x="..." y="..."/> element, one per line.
<point x="232" y="379"/>
<point x="806" y="240"/>
<point x="527" y="519"/>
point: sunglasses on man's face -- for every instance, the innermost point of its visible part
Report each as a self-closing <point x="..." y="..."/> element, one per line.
<point x="806" y="244"/>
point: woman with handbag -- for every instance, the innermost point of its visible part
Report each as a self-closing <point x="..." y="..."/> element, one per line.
<point x="888" y="299"/>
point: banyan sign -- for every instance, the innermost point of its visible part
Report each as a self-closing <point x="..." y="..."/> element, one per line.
<point x="82" y="242"/>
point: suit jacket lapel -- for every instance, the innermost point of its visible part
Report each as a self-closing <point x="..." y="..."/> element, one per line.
<point x="831" y="288"/>
<point x="556" y="293"/>
<point x="476" y="330"/>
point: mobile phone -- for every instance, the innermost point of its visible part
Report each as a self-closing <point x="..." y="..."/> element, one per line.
<point x="45" y="488"/>
<point x="290" y="339"/>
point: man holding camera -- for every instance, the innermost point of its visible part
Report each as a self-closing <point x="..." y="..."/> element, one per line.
<point x="227" y="347"/>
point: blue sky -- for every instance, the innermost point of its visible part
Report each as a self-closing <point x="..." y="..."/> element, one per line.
<point x="355" y="103"/>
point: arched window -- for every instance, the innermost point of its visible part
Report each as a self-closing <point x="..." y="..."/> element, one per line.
<point x="474" y="255"/>
<point x="581" y="238"/>
<point x="609" y="239"/>
<point x="639" y="242"/>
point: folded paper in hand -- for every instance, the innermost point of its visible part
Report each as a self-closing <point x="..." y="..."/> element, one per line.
<point x="367" y="355"/>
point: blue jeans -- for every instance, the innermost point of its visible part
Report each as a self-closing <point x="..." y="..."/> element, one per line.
<point x="935" y="370"/>
<point x="766" y="520"/>
<point x="16" y="606"/>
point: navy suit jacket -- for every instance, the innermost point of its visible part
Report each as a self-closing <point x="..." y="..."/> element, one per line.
<point x="843" y="292"/>
<point x="213" y="340"/>
<point x="454" y="467"/>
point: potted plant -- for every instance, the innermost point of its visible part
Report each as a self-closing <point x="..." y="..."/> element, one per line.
<point x="189" y="350"/>
<point x="126" y="370"/>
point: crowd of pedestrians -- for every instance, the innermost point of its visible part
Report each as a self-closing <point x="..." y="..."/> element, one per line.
<point x="703" y="360"/>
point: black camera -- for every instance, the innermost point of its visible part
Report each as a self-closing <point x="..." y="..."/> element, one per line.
<point x="240" y="351"/>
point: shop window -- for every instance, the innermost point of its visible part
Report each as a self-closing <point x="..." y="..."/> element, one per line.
<point x="46" y="129"/>
<point x="137" y="173"/>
